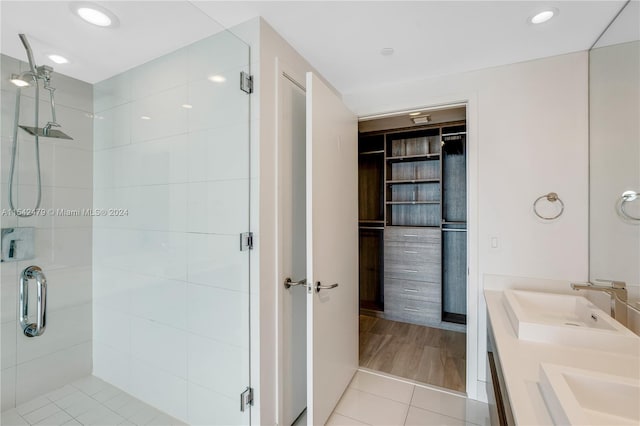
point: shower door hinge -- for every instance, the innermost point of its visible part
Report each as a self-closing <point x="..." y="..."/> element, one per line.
<point x="246" y="399"/>
<point x="246" y="241"/>
<point x="246" y="82"/>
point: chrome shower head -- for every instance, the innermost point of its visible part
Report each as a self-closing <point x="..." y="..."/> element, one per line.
<point x="46" y="132"/>
<point x="38" y="73"/>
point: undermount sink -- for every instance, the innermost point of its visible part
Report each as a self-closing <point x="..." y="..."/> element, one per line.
<point x="581" y="397"/>
<point x="568" y="320"/>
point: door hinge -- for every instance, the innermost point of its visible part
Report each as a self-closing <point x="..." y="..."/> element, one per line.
<point x="246" y="399"/>
<point x="246" y="241"/>
<point x="246" y="82"/>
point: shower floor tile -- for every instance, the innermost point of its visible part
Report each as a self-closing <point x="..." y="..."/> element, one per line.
<point x="88" y="401"/>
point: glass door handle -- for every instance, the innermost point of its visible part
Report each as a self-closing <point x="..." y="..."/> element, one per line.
<point x="37" y="328"/>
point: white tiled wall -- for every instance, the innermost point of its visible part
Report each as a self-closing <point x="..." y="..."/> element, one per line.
<point x="171" y="287"/>
<point x="32" y="366"/>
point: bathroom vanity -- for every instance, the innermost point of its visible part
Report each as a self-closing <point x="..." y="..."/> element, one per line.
<point x="555" y="358"/>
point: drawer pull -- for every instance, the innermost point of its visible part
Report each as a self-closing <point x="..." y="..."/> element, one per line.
<point x="410" y="270"/>
<point x="410" y="252"/>
<point x="410" y="235"/>
<point x="412" y="310"/>
<point x="411" y="290"/>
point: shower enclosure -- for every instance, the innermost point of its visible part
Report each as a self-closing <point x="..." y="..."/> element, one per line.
<point x="139" y="226"/>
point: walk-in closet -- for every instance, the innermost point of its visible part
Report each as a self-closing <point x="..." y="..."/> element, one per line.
<point x="413" y="245"/>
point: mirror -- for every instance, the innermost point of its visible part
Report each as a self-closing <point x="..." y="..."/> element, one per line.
<point x="614" y="152"/>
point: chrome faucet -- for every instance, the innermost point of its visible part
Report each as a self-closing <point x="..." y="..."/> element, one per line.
<point x="618" y="292"/>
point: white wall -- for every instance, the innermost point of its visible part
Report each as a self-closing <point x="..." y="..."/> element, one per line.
<point x="528" y="125"/>
<point x="33" y="366"/>
<point x="171" y="287"/>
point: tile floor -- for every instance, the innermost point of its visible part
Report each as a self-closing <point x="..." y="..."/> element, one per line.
<point x="374" y="399"/>
<point x="88" y="401"/>
<point x="370" y="399"/>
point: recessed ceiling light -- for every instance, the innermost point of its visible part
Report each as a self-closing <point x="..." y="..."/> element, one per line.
<point x="18" y="80"/>
<point x="387" y="51"/>
<point x="94" y="17"/>
<point x="217" y="79"/>
<point x="145" y="117"/>
<point x="95" y="14"/>
<point x="187" y="106"/>
<point x="58" y="59"/>
<point x="543" y="16"/>
<point x="413" y="114"/>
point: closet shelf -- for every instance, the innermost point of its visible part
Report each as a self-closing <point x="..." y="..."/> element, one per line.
<point x="380" y="151"/>
<point x="412" y="202"/>
<point x="414" y="157"/>
<point x="410" y="181"/>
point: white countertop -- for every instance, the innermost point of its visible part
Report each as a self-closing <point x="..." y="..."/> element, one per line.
<point x="520" y="361"/>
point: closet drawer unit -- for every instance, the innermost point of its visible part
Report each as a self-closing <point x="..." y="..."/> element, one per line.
<point x="413" y="235"/>
<point x="413" y="272"/>
<point x="412" y="290"/>
<point x="427" y="270"/>
<point x="401" y="252"/>
<point x="412" y="311"/>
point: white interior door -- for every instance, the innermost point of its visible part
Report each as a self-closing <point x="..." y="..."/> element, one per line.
<point x="332" y="249"/>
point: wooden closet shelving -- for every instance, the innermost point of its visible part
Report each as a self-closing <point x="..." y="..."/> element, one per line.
<point x="412" y="195"/>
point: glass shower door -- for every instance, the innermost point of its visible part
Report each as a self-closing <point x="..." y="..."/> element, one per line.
<point x="171" y="284"/>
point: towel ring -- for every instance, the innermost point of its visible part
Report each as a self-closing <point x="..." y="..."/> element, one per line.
<point x="627" y="197"/>
<point x="551" y="197"/>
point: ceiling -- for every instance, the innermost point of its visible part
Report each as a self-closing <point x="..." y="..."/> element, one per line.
<point x="341" y="39"/>
<point x="147" y="30"/>
<point x="625" y="27"/>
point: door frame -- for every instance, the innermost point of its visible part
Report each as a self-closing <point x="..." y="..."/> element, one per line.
<point x="282" y="70"/>
<point x="476" y="307"/>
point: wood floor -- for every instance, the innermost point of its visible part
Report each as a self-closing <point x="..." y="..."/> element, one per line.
<point x="424" y="354"/>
